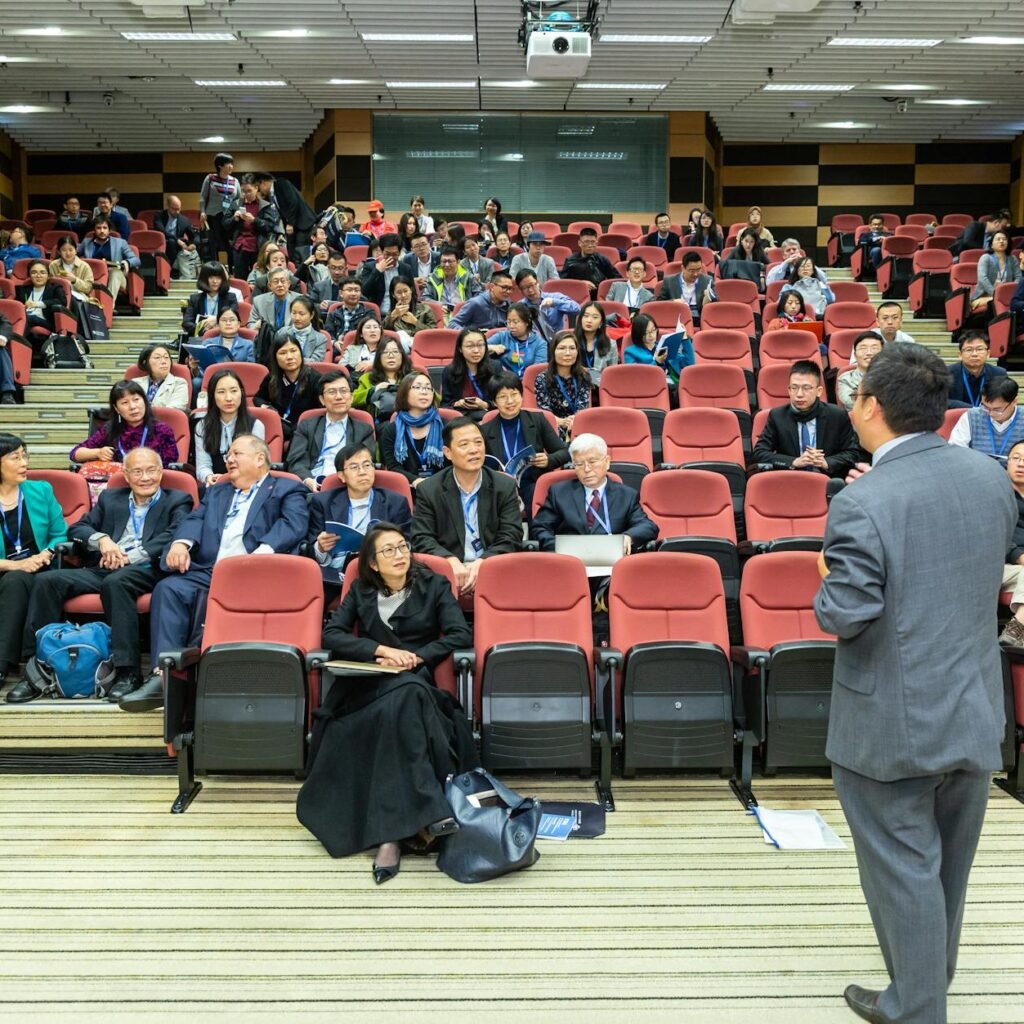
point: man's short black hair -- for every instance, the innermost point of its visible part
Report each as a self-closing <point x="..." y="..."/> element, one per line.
<point x="864" y="336"/>
<point x="416" y="235"/>
<point x="348" y="452"/>
<point x="522" y="276"/>
<point x="875" y="216"/>
<point x="390" y="239"/>
<point x="636" y="259"/>
<point x="499" y="272"/>
<point x="264" y="176"/>
<point x="911" y="384"/>
<point x="106" y="195"/>
<point x="100" y="218"/>
<point x="659" y="216"/>
<point x="974" y="334"/>
<point x="456" y="424"/>
<point x="690" y="258"/>
<point x="1003" y="387"/>
<point x="335" y="255"/>
<point x="806" y="367"/>
<point x="587" y="233"/>
<point x="351" y="279"/>
<point x="449" y="250"/>
<point x="885" y="304"/>
<point x="330" y="377"/>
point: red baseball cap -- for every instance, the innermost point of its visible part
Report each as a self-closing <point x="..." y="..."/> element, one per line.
<point x="375" y="205"/>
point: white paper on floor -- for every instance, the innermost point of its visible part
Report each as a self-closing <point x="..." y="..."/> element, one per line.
<point x="796" y="830"/>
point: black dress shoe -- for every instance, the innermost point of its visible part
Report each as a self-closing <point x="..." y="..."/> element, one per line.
<point x="384" y="874"/>
<point x="126" y="681"/>
<point x="23" y="692"/>
<point x="864" y="1003"/>
<point x="148" y="697"/>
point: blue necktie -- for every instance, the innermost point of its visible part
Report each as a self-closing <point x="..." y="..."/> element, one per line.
<point x="279" y="312"/>
<point x="805" y="436"/>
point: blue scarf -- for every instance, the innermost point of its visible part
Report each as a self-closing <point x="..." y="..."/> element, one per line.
<point x="432" y="457"/>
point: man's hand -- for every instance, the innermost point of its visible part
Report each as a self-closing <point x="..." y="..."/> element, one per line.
<point x="111" y="556"/>
<point x="817" y="458"/>
<point x="472" y="571"/>
<point x="326" y="541"/>
<point x="179" y="557"/>
<point x="384" y="263"/>
<point x="311" y="484"/>
<point x="858" y="471"/>
<point x="395" y="657"/>
<point x="627" y="544"/>
<point x="461" y="571"/>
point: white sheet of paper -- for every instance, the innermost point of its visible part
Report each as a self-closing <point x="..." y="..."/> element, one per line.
<point x="797" y="830"/>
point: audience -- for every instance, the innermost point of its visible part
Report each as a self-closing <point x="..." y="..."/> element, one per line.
<point x="503" y="250"/>
<point x="755" y="223"/>
<point x="216" y="194"/>
<point x="73" y="219"/>
<point x="318" y="439"/>
<point x="979" y="233"/>
<point x="327" y="290"/>
<point x="466" y="380"/>
<point x="535" y="259"/>
<point x="994" y="426"/>
<point x="70" y="266"/>
<point x="592" y="504"/>
<point x="1013" y="576"/>
<point x="467" y="512"/>
<point x="803" y="278"/>
<point x="967" y="377"/>
<point x="31" y="524"/>
<point x="632" y="292"/>
<point x="421" y="261"/>
<point x="418" y="208"/>
<point x="228" y="336"/>
<point x="871" y="240"/>
<point x="248" y="512"/>
<point x="360" y="351"/>
<point x="520" y="345"/>
<point x="130" y="424"/>
<point x="664" y="237"/>
<point x="888" y="323"/>
<point x="304" y="330"/>
<point x="41" y="297"/>
<point x="563" y="389"/>
<point x="997" y="266"/>
<point x="163" y="389"/>
<point x="378" y="276"/>
<point x="479" y="266"/>
<point x="865" y="347"/>
<point x="493" y="215"/>
<point x="249" y="222"/>
<point x="588" y="264"/>
<point x="295" y="213"/>
<point x="270" y="257"/>
<point x="807" y="433"/>
<point x="408" y="315"/>
<point x="118" y="255"/>
<point x="227" y="416"/>
<point x="691" y="286"/>
<point x="706" y="233"/>
<point x="377" y="225"/>
<point x="271" y="309"/>
<point x="178" y="230"/>
<point x="550" y="308"/>
<point x="377" y="389"/>
<point x="313" y="269"/>
<point x="411" y="443"/>
<point x="345" y="317"/>
<point x="124" y="537"/>
<point x="18" y="247"/>
<point x="291" y="387"/>
<point x="792" y="254"/>
<point x="599" y="351"/>
<point x="116" y="217"/>
<point x="644" y="348"/>
<point x="790" y="310"/>
<point x="450" y="283"/>
<point x="746" y="261"/>
<point x="201" y="311"/>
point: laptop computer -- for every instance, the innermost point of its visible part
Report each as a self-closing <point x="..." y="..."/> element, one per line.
<point x="597" y="551"/>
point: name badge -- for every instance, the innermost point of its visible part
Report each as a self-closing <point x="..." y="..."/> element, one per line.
<point x="477" y="545"/>
<point x="18" y="554"/>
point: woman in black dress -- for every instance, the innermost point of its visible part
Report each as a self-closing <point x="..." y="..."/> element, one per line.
<point x="383" y="745"/>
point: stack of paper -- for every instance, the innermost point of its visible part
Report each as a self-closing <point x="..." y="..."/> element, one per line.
<point x="796" y="830"/>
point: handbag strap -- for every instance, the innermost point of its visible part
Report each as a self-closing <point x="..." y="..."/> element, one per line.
<point x="509" y="797"/>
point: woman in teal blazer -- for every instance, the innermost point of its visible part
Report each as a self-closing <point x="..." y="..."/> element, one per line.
<point x="31" y="523"/>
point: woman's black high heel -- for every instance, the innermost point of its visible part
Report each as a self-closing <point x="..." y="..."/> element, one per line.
<point x="384" y="874"/>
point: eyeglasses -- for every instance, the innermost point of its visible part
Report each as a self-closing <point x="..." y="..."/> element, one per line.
<point x="337" y="392"/>
<point x="390" y="551"/>
<point x="590" y="463"/>
<point x="421" y="387"/>
<point x="359" y="467"/>
<point x="1017" y="460"/>
<point x="799" y="389"/>
<point x="974" y="350"/>
<point x="138" y="474"/>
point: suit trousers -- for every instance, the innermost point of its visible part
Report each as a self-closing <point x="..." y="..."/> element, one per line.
<point x="915" y="841"/>
<point x="118" y="589"/>
<point x="116" y="281"/>
<point x="178" y="611"/>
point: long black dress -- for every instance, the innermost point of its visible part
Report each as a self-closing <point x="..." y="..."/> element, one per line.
<point x="383" y="745"/>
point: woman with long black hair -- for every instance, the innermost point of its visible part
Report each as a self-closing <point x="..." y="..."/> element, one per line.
<point x="226" y="416"/>
<point x="130" y="424"/>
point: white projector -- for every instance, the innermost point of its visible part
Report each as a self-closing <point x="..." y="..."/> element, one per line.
<point x="557" y="54"/>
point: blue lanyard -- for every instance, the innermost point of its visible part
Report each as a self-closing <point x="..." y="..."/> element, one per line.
<point x="572" y="403"/>
<point x="606" y="520"/>
<point x="288" y="412"/>
<point x="519" y="351"/>
<point x="589" y="355"/>
<point x="365" y="521"/>
<point x="141" y="444"/>
<point x="15" y="542"/>
<point x="324" y="446"/>
<point x="154" y="387"/>
<point x="633" y="303"/>
<point x="238" y="501"/>
<point x="1007" y="433"/>
<point x="518" y="436"/>
<point x="140" y="525"/>
<point x="467" y="506"/>
<point x="662" y="242"/>
<point x="967" y="388"/>
<point x="476" y="387"/>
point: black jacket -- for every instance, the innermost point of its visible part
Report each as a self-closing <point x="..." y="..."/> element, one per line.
<point x="373" y="284"/>
<point x="110" y="516"/>
<point x="537" y="431"/>
<point x="185" y="232"/>
<point x="333" y="506"/>
<point x="779" y="443"/>
<point x="439" y="526"/>
<point x="193" y="308"/>
<point x="304" y="450"/>
<point x="565" y="512"/>
<point x="410" y="468"/>
<point x="958" y="392"/>
<point x="53" y="299"/>
<point x="429" y="623"/>
<point x="294" y="210"/>
<point x="265" y="226"/>
<point x="670" y="245"/>
<point x="451" y="391"/>
<point x="595" y="268"/>
<point x="972" y="237"/>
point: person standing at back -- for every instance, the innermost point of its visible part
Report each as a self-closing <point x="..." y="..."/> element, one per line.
<point x="917" y="699"/>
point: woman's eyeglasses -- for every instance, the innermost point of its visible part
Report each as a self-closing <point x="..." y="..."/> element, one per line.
<point x="390" y="551"/>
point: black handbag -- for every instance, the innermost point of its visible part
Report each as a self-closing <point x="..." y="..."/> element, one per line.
<point x="92" y="321"/>
<point x="497" y="828"/>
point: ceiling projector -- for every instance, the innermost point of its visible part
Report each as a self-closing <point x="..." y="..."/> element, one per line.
<point x="558" y="54"/>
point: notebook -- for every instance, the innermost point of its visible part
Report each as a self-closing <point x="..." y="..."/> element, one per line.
<point x="597" y="551"/>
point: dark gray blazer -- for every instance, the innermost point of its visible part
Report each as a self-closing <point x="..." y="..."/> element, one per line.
<point x="918" y="680"/>
<point x="308" y="439"/>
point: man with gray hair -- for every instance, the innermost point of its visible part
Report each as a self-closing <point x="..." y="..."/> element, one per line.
<point x="592" y="504"/>
<point x="250" y="513"/>
<point x="791" y="255"/>
<point x="272" y="307"/>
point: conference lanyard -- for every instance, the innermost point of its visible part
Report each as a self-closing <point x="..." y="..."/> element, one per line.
<point x="517" y="356"/>
<point x="15" y="542"/>
<point x="139" y="525"/>
<point x="364" y="521"/>
<point x="1007" y="433"/>
<point x="589" y="354"/>
<point x="472" y="534"/>
<point x="632" y="297"/>
<point x="572" y="403"/>
<point x="606" y="520"/>
<point x="662" y="242"/>
<point x="325" y="447"/>
<point x="239" y="500"/>
<point x="476" y="387"/>
<point x="518" y="443"/>
<point x="141" y="444"/>
<point x="151" y="391"/>
<point x="288" y="412"/>
<point x="967" y="387"/>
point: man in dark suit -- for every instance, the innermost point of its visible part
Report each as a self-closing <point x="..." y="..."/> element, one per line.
<point x="664" y="237"/>
<point x="73" y="219"/>
<point x="588" y="264"/>
<point x="917" y="715"/>
<point x="592" y="504"/>
<point x="967" y="378"/>
<point x="296" y="213"/>
<point x="328" y="291"/>
<point x="807" y="433"/>
<point x="252" y="513"/>
<point x="690" y="286"/>
<point x="421" y="262"/>
<point x="176" y="228"/>
<point x="125" y="535"/>
<point x="466" y="512"/>
<point x="318" y="439"/>
<point x="376" y="282"/>
<point x="978" y="234"/>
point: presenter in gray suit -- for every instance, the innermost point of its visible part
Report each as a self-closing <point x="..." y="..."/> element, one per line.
<point x="917" y="702"/>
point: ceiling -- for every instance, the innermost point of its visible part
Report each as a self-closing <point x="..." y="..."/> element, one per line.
<point x="155" y="105"/>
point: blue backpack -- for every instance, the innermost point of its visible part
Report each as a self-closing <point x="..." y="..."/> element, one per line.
<point x="73" y="660"/>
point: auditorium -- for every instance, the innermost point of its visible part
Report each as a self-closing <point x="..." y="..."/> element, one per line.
<point x="518" y="500"/>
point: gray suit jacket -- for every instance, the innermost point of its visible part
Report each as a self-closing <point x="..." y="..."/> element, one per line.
<point x="915" y="551"/>
<point x="263" y="308"/>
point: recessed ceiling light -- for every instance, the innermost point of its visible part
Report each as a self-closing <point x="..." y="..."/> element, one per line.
<point x="511" y="83"/>
<point x="288" y="33"/>
<point x="180" y="37"/>
<point x="21" y="108"/>
<point x="902" y="87"/>
<point x="871" y="41"/>
<point x="213" y="138"/>
<point x="347" y="81"/>
<point x="590" y="154"/>
<point x="417" y="37"/>
<point x="805" y="87"/>
<point x="442" y="154"/>
<point x="845" y="124"/>
<point x="47" y="30"/>
<point x="432" y="85"/>
<point x="993" y="40"/>
<point x="618" y="38"/>
<point x="955" y="103"/>
<point x="227" y="83"/>
<point x="621" y="85"/>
